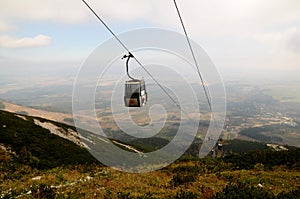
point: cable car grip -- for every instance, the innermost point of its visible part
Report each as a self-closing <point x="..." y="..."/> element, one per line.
<point x="127" y="62"/>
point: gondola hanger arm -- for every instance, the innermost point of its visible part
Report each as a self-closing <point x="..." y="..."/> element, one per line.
<point x="127" y="63"/>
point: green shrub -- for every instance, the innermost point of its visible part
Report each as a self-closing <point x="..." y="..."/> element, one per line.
<point x="182" y="178"/>
<point x="243" y="190"/>
<point x="43" y="191"/>
<point x="294" y="194"/>
<point x="185" y="195"/>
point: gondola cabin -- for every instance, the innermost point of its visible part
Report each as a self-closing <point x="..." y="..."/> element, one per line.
<point x="135" y="93"/>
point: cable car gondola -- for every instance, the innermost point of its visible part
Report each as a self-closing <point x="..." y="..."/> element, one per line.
<point x="135" y="89"/>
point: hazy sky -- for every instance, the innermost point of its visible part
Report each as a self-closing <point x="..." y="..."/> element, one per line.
<point x="241" y="36"/>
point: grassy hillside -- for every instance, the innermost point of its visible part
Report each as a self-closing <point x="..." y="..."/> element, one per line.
<point x="36" y="146"/>
<point x="37" y="164"/>
<point x="186" y="178"/>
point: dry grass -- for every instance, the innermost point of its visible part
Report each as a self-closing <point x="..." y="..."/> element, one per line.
<point x="103" y="182"/>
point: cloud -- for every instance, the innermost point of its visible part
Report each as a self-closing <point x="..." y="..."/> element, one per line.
<point x="285" y="41"/>
<point x="293" y="40"/>
<point x="209" y="18"/>
<point x="5" y="26"/>
<point x="26" y="42"/>
<point x="221" y="26"/>
<point x="237" y="18"/>
<point x="67" y="11"/>
<point x="73" y="12"/>
<point x="280" y="49"/>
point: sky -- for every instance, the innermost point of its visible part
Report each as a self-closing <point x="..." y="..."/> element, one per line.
<point x="244" y="38"/>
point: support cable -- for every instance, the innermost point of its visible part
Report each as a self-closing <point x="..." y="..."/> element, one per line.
<point x="206" y="91"/>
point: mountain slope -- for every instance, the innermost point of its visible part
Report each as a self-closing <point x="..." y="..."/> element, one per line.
<point x="35" y="162"/>
<point x="36" y="146"/>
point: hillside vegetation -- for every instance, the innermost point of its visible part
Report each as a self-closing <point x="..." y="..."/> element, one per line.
<point x="37" y="164"/>
<point x="36" y="146"/>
